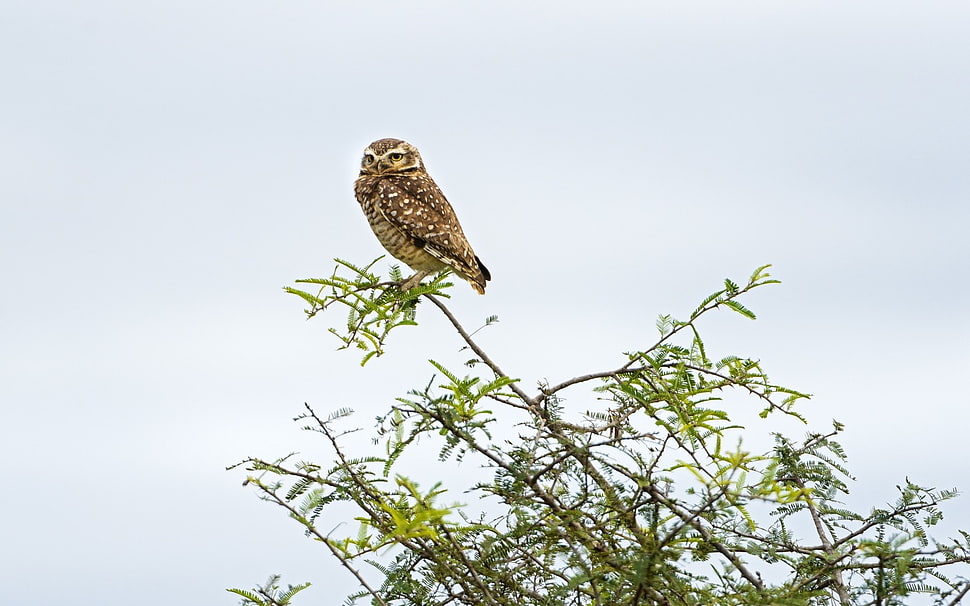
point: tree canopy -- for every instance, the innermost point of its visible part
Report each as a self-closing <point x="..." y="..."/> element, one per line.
<point x="649" y="496"/>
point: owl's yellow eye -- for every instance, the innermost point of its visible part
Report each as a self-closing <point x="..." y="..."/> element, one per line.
<point x="368" y="159"/>
<point x="396" y="157"/>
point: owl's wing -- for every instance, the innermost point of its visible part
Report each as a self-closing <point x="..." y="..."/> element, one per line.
<point x="420" y="211"/>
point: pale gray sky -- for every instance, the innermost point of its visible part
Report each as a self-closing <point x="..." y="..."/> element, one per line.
<point x="165" y="167"/>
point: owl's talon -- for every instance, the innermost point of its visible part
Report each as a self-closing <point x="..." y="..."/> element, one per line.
<point x="414" y="280"/>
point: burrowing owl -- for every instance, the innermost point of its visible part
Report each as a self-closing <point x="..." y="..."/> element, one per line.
<point x="411" y="217"/>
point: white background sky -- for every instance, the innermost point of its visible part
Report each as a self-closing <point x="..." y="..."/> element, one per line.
<point x="165" y="167"/>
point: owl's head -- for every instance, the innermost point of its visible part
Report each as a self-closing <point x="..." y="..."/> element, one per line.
<point x="390" y="156"/>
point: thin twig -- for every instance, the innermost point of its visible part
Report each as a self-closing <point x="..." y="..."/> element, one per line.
<point x="623" y="370"/>
<point x="960" y="596"/>
<point x="478" y="350"/>
<point x="827" y="546"/>
<point x="326" y="540"/>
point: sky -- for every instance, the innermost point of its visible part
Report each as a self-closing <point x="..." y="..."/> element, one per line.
<point x="167" y="167"/>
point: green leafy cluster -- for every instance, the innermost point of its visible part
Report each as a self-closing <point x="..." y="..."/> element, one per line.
<point x="269" y="593"/>
<point x="649" y="497"/>
<point x="374" y="307"/>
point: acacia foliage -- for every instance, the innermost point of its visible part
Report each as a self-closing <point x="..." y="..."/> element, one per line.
<point x="650" y="499"/>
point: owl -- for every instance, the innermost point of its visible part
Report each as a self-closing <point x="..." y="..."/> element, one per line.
<point x="411" y="217"/>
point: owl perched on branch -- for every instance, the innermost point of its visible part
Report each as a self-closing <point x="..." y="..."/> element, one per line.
<point x="411" y="217"/>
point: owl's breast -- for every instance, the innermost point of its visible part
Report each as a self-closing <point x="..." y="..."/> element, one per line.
<point x="380" y="200"/>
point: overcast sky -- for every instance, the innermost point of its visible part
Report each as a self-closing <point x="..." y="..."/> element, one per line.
<point x="166" y="167"/>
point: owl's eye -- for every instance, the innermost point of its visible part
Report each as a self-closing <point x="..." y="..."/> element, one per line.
<point x="396" y="157"/>
<point x="368" y="159"/>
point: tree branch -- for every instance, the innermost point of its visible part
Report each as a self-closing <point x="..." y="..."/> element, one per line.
<point x="478" y="350"/>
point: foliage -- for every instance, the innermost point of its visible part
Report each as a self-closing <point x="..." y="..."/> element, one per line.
<point x="269" y="593"/>
<point x="649" y="499"/>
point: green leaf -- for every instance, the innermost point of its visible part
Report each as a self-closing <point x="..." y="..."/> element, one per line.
<point x="741" y="309"/>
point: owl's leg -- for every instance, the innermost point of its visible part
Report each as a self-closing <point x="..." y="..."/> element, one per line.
<point x="414" y="280"/>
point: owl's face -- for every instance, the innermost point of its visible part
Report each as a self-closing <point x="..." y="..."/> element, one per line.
<point x="390" y="156"/>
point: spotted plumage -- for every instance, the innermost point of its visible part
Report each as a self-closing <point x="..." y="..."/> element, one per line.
<point x="411" y="217"/>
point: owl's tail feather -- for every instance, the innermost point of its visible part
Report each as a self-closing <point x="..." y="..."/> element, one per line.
<point x="478" y="281"/>
<point x="486" y="275"/>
